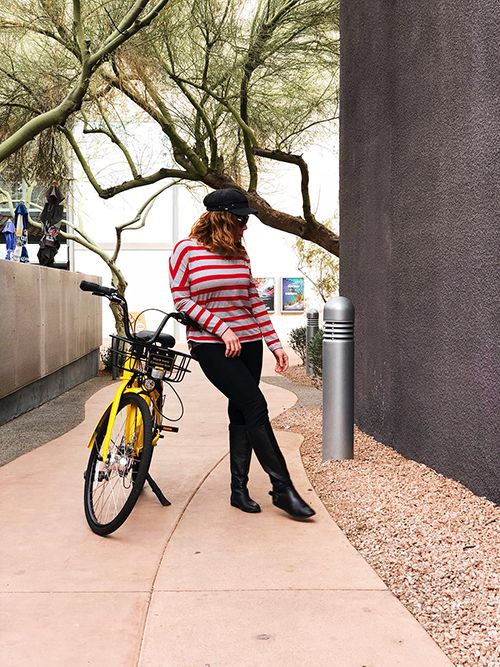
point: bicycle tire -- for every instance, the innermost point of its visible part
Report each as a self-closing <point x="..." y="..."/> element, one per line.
<point x="110" y="476"/>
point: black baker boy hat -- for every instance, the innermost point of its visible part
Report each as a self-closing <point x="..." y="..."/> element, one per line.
<point x="228" y="199"/>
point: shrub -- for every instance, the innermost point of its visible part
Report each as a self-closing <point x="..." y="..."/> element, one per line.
<point x="107" y="359"/>
<point x="315" y="349"/>
<point x="297" y="341"/>
<point x="109" y="354"/>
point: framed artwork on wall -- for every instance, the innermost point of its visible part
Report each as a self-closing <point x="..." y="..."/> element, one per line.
<point x="265" y="288"/>
<point x="292" y="295"/>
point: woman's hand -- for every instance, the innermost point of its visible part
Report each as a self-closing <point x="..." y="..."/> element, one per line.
<point x="281" y="360"/>
<point x="233" y="345"/>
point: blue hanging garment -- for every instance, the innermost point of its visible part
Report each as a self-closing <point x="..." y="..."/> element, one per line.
<point x="9" y="232"/>
<point x="21" y="227"/>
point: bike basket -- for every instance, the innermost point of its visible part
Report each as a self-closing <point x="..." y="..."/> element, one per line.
<point x="166" y="364"/>
<point x="154" y="361"/>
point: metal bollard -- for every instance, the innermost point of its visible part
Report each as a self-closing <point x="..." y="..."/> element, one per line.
<point x="338" y="379"/>
<point x="312" y="327"/>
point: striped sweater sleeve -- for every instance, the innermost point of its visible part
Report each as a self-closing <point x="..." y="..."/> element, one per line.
<point x="262" y="316"/>
<point x="179" y="285"/>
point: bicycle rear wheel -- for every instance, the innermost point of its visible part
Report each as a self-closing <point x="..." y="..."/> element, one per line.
<point x="112" y="487"/>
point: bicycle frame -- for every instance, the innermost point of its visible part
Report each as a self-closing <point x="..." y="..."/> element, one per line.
<point x="128" y="382"/>
<point x="130" y="423"/>
<point x="122" y="456"/>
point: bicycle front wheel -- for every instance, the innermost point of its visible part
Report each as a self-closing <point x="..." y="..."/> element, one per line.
<point x="112" y="487"/>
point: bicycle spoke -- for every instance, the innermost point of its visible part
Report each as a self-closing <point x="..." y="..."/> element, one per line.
<point x="130" y="429"/>
<point x="113" y="484"/>
<point x="109" y="489"/>
<point x="106" y="491"/>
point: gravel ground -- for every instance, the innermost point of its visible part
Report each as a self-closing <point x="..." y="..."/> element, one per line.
<point x="47" y="422"/>
<point x="307" y="395"/>
<point x="433" y="542"/>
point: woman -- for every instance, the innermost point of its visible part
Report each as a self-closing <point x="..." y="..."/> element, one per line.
<point x="211" y="281"/>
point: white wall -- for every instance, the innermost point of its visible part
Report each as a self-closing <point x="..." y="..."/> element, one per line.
<point x="145" y="252"/>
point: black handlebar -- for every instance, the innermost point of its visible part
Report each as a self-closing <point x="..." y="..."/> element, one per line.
<point x="98" y="290"/>
<point x="113" y="295"/>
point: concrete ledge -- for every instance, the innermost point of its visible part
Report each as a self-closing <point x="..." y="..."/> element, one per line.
<point x="47" y="323"/>
<point x="42" y="390"/>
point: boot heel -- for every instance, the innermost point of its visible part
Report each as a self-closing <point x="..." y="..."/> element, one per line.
<point x="285" y="497"/>
<point x="289" y="501"/>
<point x="240" y="453"/>
<point x="243" y="502"/>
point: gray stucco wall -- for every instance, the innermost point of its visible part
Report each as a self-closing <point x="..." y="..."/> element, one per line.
<point x="419" y="222"/>
<point x="50" y="334"/>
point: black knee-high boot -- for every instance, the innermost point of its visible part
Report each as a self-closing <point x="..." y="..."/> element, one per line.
<point x="240" y="453"/>
<point x="269" y="454"/>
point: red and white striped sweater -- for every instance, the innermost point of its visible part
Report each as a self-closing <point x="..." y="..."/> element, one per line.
<point x="218" y="293"/>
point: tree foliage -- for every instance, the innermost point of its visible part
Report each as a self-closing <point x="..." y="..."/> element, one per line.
<point x="230" y="85"/>
<point x="53" y="50"/>
<point x="318" y="266"/>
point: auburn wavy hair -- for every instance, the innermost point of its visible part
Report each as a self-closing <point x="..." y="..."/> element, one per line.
<point x="217" y="231"/>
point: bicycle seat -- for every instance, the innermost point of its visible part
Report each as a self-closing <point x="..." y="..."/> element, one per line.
<point x="165" y="339"/>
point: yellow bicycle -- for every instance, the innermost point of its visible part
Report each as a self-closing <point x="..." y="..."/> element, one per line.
<point x="121" y="446"/>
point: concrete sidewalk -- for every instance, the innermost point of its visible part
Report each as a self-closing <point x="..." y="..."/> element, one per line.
<point x="195" y="584"/>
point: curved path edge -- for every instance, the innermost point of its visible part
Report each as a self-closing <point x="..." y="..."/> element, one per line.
<point x="195" y="583"/>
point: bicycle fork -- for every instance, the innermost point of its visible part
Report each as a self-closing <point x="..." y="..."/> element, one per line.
<point x="133" y="435"/>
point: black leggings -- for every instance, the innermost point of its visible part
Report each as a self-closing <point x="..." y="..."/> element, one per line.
<point x="237" y="378"/>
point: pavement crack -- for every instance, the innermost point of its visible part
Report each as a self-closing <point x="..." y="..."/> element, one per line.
<point x="162" y="555"/>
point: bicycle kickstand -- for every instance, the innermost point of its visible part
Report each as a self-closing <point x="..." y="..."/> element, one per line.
<point x="157" y="491"/>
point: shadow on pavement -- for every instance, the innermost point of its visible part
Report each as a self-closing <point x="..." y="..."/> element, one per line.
<point x="48" y="421"/>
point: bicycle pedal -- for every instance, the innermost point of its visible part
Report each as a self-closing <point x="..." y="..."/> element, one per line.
<point x="171" y="429"/>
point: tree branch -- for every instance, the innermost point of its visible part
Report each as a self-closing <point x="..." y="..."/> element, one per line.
<point x="78" y="32"/>
<point x="114" y="139"/>
<point x="73" y="100"/>
<point x="82" y="239"/>
<point x="13" y="77"/>
<point x="128" y="20"/>
<point x="56" y="116"/>
<point x="308" y="277"/>
<point x="196" y="105"/>
<point x="111" y="134"/>
<point x="30" y="27"/>
<point x="169" y="129"/>
<point x="60" y="27"/>
<point x="310" y="231"/>
<point x="148" y="180"/>
<point x="81" y="158"/>
<point x="128" y="27"/>
<point x="261" y="35"/>
<point x="225" y="103"/>
<point x="280" y="156"/>
<point x="20" y="106"/>
<point x="8" y="201"/>
<point x="183" y="153"/>
<point x="139" y="181"/>
<point x="141" y="217"/>
<point x="308" y="127"/>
